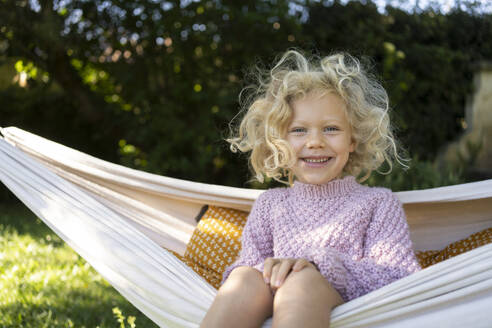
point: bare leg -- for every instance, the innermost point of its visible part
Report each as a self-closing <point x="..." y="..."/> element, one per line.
<point x="304" y="300"/>
<point x="244" y="300"/>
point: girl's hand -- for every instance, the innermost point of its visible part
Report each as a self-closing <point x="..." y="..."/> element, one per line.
<point x="275" y="271"/>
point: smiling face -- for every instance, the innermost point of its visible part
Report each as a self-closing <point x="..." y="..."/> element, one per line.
<point x="320" y="136"/>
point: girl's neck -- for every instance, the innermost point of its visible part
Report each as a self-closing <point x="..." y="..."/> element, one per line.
<point x="335" y="187"/>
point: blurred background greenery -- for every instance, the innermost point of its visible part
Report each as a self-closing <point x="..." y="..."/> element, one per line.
<point x="153" y="84"/>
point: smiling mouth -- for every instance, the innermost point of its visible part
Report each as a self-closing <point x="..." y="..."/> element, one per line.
<point x="317" y="160"/>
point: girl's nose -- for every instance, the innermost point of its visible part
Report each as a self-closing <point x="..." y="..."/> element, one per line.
<point x="315" y="141"/>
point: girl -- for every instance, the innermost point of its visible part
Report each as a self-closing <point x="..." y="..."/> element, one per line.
<point x="326" y="239"/>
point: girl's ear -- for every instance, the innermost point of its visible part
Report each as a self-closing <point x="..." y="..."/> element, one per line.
<point x="352" y="146"/>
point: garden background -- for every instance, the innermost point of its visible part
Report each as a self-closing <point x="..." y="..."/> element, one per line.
<point x="154" y="84"/>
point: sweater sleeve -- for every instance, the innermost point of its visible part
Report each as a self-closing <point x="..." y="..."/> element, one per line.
<point x="256" y="239"/>
<point x="387" y="255"/>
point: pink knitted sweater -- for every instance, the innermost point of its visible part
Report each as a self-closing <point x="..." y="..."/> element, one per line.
<point x="357" y="236"/>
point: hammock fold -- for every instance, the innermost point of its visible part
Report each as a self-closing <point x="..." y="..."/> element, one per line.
<point x="121" y="221"/>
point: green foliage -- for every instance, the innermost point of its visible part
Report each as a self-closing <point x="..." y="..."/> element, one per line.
<point x="164" y="77"/>
<point x="121" y="318"/>
<point x="44" y="283"/>
<point x="421" y="174"/>
<point x="466" y="157"/>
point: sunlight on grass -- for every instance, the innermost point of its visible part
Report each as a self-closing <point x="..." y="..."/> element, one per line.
<point x="44" y="283"/>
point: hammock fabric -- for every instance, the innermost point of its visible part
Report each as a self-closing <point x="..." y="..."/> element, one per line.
<point x="124" y="222"/>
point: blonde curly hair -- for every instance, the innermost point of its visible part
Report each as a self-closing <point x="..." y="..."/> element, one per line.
<point x="268" y="113"/>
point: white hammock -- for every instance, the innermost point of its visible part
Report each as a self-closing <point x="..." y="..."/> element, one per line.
<point x="119" y="220"/>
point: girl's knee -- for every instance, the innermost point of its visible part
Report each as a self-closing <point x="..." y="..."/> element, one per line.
<point x="246" y="286"/>
<point x="308" y="285"/>
<point x="245" y="276"/>
<point x="247" y="280"/>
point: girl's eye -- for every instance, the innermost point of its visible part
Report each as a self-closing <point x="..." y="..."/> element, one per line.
<point x="331" y="128"/>
<point x="298" y="130"/>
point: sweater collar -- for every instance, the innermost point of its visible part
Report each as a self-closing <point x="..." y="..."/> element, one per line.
<point x="335" y="187"/>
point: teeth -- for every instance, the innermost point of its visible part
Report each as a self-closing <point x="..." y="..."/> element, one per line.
<point x="316" y="160"/>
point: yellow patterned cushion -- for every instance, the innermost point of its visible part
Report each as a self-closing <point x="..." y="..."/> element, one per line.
<point x="428" y="258"/>
<point x="215" y="243"/>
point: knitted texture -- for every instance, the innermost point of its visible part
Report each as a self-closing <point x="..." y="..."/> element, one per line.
<point x="358" y="236"/>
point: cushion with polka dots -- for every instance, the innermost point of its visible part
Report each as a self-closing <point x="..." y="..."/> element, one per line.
<point x="481" y="238"/>
<point x="215" y="243"/>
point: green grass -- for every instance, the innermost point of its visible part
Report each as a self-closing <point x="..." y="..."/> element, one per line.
<point x="44" y="283"/>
